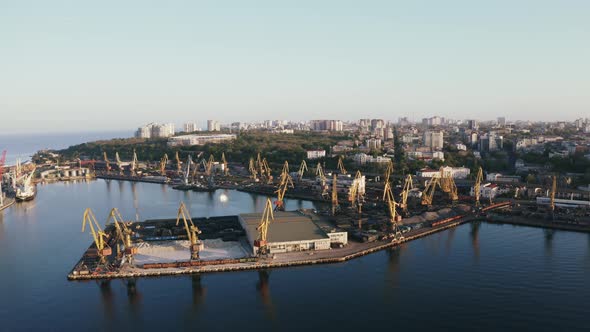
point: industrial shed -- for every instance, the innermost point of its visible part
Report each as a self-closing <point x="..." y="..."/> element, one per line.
<point x="290" y="231"/>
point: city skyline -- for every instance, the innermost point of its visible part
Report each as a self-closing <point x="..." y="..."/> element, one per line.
<point x="112" y="66"/>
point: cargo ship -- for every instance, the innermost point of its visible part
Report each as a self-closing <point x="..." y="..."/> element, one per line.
<point x="27" y="190"/>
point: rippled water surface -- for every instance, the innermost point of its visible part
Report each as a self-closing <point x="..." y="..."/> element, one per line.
<point x="474" y="277"/>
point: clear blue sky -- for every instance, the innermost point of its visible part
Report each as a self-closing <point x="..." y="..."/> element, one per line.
<point x="96" y="65"/>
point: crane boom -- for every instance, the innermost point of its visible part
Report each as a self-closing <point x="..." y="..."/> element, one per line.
<point x="341" y="165"/>
<point x="119" y="163"/>
<point x="178" y="163"/>
<point x="106" y="162"/>
<point x="123" y="233"/>
<point x="408" y="185"/>
<point x="428" y="192"/>
<point x="267" y="215"/>
<point x="302" y="170"/>
<point x="163" y="163"/>
<point x="225" y="166"/>
<point x="335" y="204"/>
<point x="99" y="236"/>
<point x="192" y="231"/>
<point x="477" y="186"/>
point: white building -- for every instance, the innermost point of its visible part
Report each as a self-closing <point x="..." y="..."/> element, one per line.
<point x="315" y="154"/>
<point x="433" y="139"/>
<point x="190" y="127"/>
<point x="154" y="130"/>
<point x="454" y="172"/>
<point x="188" y="140"/>
<point x="213" y="125"/>
<point x="373" y="144"/>
<point x="326" y="125"/>
<point x="363" y="158"/>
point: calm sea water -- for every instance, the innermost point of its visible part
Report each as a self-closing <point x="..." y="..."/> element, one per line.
<point x="23" y="146"/>
<point x="475" y="277"/>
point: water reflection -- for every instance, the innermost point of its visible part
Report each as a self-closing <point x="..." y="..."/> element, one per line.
<point x="133" y="295"/>
<point x="450" y="237"/>
<point x="393" y="266"/>
<point x="199" y="292"/>
<point x="549" y="234"/>
<point x="262" y="286"/>
<point x="121" y="186"/>
<point x="135" y="200"/>
<point x="107" y="298"/>
<point x="474" y="234"/>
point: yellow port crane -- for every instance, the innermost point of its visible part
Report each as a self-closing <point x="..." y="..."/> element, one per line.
<point x="106" y="162"/>
<point x="448" y="185"/>
<point x="388" y="170"/>
<point x="119" y="163"/>
<point x="408" y="185"/>
<point x="100" y="237"/>
<point x="395" y="218"/>
<point x="335" y="205"/>
<point x="355" y="195"/>
<point x="286" y="181"/>
<point x="553" y="191"/>
<point x="341" y="165"/>
<point x="163" y="163"/>
<point x="302" y="170"/>
<point x="178" y="163"/>
<point x="267" y="171"/>
<point x="261" y="243"/>
<point x="252" y="169"/>
<point x="225" y="166"/>
<point x="133" y="166"/>
<point x="123" y="234"/>
<point x="319" y="171"/>
<point x="428" y="192"/>
<point x="192" y="231"/>
<point x="477" y="186"/>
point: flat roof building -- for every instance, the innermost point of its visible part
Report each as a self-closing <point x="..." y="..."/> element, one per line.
<point x="291" y="231"/>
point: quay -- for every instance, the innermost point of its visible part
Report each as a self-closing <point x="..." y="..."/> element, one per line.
<point x="288" y="259"/>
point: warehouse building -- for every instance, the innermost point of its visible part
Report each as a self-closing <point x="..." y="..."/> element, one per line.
<point x="292" y="231"/>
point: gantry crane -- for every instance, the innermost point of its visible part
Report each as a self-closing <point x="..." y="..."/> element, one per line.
<point x="267" y="216"/>
<point x="388" y="170"/>
<point x="100" y="237"/>
<point x="355" y="195"/>
<point x="133" y="166"/>
<point x="178" y="164"/>
<point x="192" y="231"/>
<point x="225" y="166"/>
<point x="106" y="162"/>
<point x="124" y="234"/>
<point x="320" y="173"/>
<point x="252" y="169"/>
<point x="189" y="161"/>
<point x="335" y="205"/>
<point x="477" y="186"/>
<point x="408" y="185"/>
<point x="163" y="163"/>
<point x="447" y="184"/>
<point x="286" y="181"/>
<point x="267" y="171"/>
<point x="395" y="218"/>
<point x="119" y="163"/>
<point x="428" y="192"/>
<point x="341" y="165"/>
<point x="209" y="171"/>
<point x="302" y="170"/>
